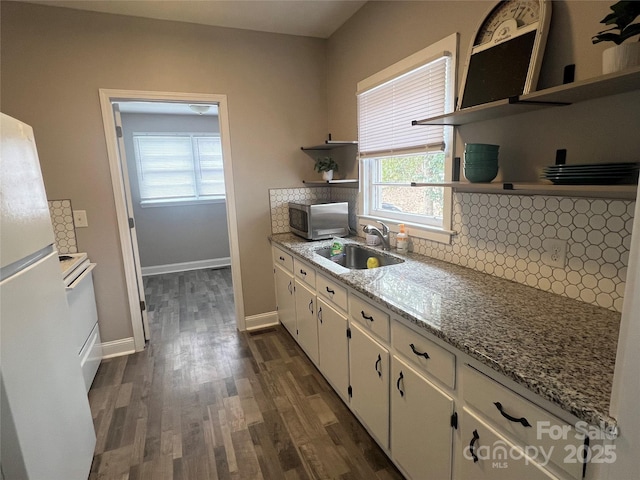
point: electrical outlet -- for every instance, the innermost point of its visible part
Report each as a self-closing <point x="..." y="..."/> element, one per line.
<point x="80" y="218"/>
<point x="555" y="252"/>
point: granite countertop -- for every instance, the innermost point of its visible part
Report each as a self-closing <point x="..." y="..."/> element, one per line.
<point x="561" y="349"/>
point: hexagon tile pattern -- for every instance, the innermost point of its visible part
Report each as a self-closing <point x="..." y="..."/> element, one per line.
<point x="63" y="226"/>
<point x="502" y="235"/>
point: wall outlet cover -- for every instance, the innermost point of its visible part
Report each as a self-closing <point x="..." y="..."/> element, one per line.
<point x="555" y="252"/>
<point x="80" y="218"/>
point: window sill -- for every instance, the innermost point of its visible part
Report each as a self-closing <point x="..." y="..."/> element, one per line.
<point x="179" y="203"/>
<point x="436" y="234"/>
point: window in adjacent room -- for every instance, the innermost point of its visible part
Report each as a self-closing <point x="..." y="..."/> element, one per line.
<point x="393" y="152"/>
<point x="179" y="168"/>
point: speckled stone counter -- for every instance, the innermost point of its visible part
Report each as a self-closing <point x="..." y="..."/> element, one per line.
<point x="559" y="348"/>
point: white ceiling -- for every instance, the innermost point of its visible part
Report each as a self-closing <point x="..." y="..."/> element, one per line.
<point x="172" y="108"/>
<point x="310" y="18"/>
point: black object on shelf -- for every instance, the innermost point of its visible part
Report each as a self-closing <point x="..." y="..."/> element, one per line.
<point x="569" y="73"/>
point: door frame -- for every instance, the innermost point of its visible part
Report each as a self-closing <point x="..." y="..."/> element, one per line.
<point x="107" y="98"/>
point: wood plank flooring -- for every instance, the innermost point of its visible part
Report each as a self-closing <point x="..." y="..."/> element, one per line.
<point x="204" y="401"/>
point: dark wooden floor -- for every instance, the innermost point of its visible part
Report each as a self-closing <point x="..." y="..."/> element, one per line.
<point x="204" y="401"/>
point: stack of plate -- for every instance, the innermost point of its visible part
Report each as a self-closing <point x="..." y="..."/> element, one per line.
<point x="594" y="174"/>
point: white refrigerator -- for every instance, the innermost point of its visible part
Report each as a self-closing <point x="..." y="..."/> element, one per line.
<point x="46" y="429"/>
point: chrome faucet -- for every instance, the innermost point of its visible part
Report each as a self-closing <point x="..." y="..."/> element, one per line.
<point x="382" y="235"/>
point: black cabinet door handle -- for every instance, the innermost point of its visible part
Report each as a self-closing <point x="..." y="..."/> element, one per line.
<point x="419" y="353"/>
<point x="320" y="314"/>
<point x="475" y="438"/>
<point x="378" y="362"/>
<point x="400" y="379"/>
<point x="330" y="291"/>
<point x="311" y="307"/>
<point x="302" y="272"/>
<point x="366" y="317"/>
<point x="290" y="287"/>
<point x="523" y="421"/>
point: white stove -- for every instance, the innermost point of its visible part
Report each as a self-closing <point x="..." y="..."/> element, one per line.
<point x="69" y="262"/>
<point x="78" y="281"/>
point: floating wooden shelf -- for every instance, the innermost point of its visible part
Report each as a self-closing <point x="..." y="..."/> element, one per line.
<point x="624" y="192"/>
<point x="589" y="89"/>
<point x="330" y="145"/>
<point x="323" y="183"/>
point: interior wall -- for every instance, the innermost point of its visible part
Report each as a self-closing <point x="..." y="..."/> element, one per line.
<point x="55" y="60"/>
<point x="394" y="30"/>
<point x="175" y="233"/>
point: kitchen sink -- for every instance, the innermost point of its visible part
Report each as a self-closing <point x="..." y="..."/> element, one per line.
<point x="355" y="257"/>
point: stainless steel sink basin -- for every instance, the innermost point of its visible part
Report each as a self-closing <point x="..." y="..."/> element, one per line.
<point x="355" y="257"/>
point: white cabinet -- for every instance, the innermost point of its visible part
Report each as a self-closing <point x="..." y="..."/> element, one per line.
<point x="306" y="320"/>
<point x="421" y="430"/>
<point x="369" y="376"/>
<point x="333" y="347"/>
<point x="547" y="437"/>
<point x="487" y="455"/>
<point x="285" y="298"/>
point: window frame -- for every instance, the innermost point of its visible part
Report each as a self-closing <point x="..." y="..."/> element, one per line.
<point x="440" y="233"/>
<point x="199" y="198"/>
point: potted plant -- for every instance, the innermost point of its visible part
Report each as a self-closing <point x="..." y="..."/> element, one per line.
<point x="622" y="55"/>
<point x="326" y="166"/>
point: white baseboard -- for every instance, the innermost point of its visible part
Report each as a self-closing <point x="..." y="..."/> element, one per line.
<point x="116" y="348"/>
<point x="262" y="320"/>
<point x="186" y="266"/>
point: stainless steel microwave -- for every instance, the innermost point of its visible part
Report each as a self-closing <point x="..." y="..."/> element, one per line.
<point x="318" y="221"/>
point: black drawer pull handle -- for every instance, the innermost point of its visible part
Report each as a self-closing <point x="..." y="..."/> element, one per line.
<point x="366" y="317"/>
<point x="320" y="314"/>
<point x="400" y="379"/>
<point x="523" y="421"/>
<point x="419" y="353"/>
<point x="475" y="438"/>
<point x="330" y="291"/>
<point x="282" y="259"/>
<point x="379" y="361"/>
<point x="303" y="272"/>
<point x="311" y="307"/>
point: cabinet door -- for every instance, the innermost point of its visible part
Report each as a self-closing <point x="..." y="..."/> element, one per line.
<point x="285" y="299"/>
<point x="306" y="319"/>
<point x="485" y="454"/>
<point x="333" y="347"/>
<point x="369" y="377"/>
<point x="421" y="431"/>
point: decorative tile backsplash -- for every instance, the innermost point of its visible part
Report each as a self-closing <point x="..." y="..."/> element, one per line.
<point x="280" y="197"/>
<point x="502" y="235"/>
<point x="63" y="227"/>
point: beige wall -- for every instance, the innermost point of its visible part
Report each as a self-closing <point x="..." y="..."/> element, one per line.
<point x="54" y="61"/>
<point x="382" y="33"/>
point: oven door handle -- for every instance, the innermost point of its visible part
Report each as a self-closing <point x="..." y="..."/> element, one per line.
<point x="86" y="272"/>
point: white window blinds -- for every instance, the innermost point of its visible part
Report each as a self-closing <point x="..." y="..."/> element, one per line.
<point x="385" y="111"/>
<point x="179" y="167"/>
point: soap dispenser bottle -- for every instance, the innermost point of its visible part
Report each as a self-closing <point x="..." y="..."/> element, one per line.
<point x="402" y="239"/>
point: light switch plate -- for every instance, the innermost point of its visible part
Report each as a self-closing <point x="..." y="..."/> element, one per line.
<point x="80" y="218"/>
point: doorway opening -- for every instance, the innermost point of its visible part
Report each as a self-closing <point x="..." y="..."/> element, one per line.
<point x="135" y="124"/>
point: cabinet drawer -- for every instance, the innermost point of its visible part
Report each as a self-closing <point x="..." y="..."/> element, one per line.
<point x="486" y="455"/>
<point x="332" y="291"/>
<point x="304" y="272"/>
<point x="372" y="318"/>
<point x="431" y="358"/>
<point x="280" y="257"/>
<point x="496" y="402"/>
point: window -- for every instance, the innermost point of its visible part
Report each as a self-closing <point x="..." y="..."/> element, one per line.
<point x="179" y="168"/>
<point x="394" y="153"/>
